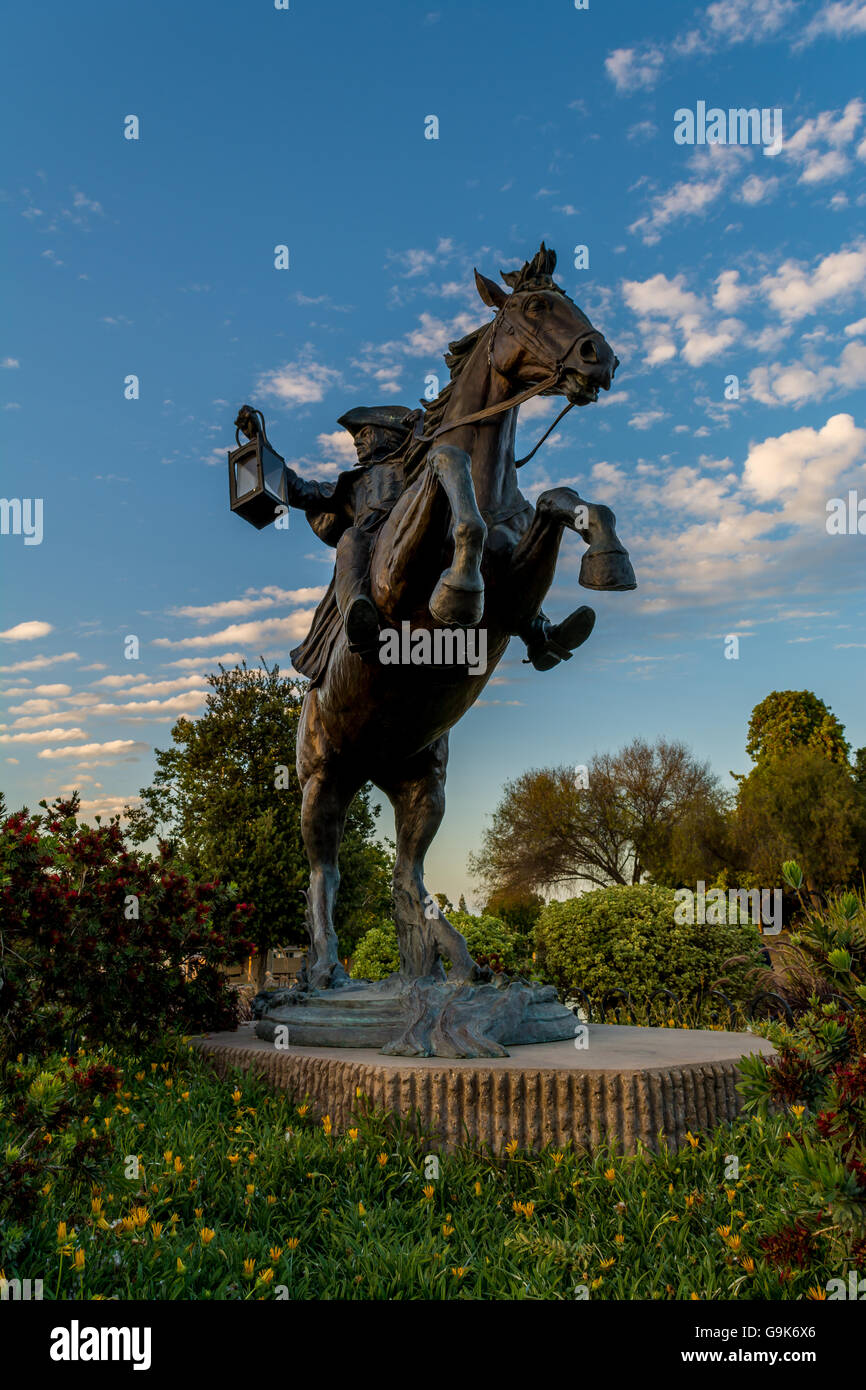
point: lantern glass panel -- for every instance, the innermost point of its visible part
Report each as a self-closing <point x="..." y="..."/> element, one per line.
<point x="247" y="476"/>
<point x="272" y="467"/>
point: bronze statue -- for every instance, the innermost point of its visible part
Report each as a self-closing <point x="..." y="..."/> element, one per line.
<point x="442" y="538"/>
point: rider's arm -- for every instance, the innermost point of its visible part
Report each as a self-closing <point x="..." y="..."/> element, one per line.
<point x="309" y="496"/>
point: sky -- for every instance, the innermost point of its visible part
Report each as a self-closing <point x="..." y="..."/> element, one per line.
<point x="730" y="282"/>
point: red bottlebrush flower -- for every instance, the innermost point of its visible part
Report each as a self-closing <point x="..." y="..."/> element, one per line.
<point x="790" y="1245"/>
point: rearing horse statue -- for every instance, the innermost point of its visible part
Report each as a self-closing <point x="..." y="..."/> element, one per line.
<point x="462" y="548"/>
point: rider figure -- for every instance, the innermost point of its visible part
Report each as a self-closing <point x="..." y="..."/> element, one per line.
<point x="349" y="513"/>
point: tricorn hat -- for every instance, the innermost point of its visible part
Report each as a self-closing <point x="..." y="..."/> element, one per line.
<point x="388" y="417"/>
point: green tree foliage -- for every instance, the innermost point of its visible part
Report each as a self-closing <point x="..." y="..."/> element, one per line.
<point x="227" y="797"/>
<point x="614" y="825"/>
<point x="627" y="938"/>
<point x="801" y="805"/>
<point x="791" y="719"/>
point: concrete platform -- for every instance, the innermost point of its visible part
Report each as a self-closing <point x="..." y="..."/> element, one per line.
<point x="628" y="1086"/>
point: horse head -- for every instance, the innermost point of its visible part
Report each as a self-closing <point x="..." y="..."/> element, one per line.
<point x="540" y="333"/>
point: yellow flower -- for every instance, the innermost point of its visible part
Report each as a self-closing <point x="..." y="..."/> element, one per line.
<point x="184" y="1095"/>
<point x="206" y="1235"/>
<point x="96" y="1205"/>
<point x="153" y="1066"/>
<point x="156" y="1228"/>
<point x="692" y="1139"/>
<point x="46" y="1189"/>
<point x="326" y="1124"/>
<point x="478" y="1189"/>
<point x="302" y="1109"/>
<point x="266" y="1276"/>
<point x="447" y="1230"/>
<point x="690" y="1201"/>
<point x="78" y="1261"/>
<point x="610" y="1174"/>
<point x="293" y="1242"/>
<point x="619" y="1239"/>
<point x="180" y="1266"/>
<point x="815" y="1292"/>
<point x="178" y="1166"/>
<point x="748" y="1264"/>
<point x="139" y="1216"/>
<point x="249" y="1268"/>
<point x="353" y="1135"/>
<point x="103" y="1224"/>
<point x="139" y="1076"/>
<point x="671" y="1188"/>
<point x="557" y="1159"/>
<point x="511" y="1147"/>
<point x="61" y="1233"/>
<point x="429" y="1192"/>
<point x="724" y="1231"/>
<point x="597" y="1283"/>
<point x="233" y="1158"/>
<point x="799" y="1111"/>
<point x="731" y="1194"/>
<point x="236" y="1095"/>
<point x="734" y="1243"/>
<point x="168" y="1083"/>
<point x="358" y="1093"/>
<point x="459" y="1271"/>
<point x="383" y="1159"/>
<point x="362" y="1210"/>
<point x="695" y="1297"/>
<point x="251" y="1187"/>
<point x="270" y="1199"/>
<point x="275" y="1252"/>
<point x="608" y="1263"/>
<point x="199" y="1211"/>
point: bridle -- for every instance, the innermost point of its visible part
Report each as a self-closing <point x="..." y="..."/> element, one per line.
<point x="527" y="340"/>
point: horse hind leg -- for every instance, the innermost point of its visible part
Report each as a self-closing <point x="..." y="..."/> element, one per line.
<point x="423" y="931"/>
<point x="323" y="818"/>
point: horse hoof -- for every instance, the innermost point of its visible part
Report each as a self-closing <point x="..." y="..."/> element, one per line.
<point x="455" y="605"/>
<point x="607" y="569"/>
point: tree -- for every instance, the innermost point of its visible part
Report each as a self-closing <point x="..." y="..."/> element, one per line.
<point x="789" y="719"/>
<point x="227" y="798"/>
<point x="613" y="825"/>
<point x="518" y="910"/>
<point x="803" y="806"/>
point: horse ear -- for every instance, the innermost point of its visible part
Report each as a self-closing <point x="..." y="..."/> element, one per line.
<point x="492" y="294"/>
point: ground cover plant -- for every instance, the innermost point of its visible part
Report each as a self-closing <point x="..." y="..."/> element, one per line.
<point x="211" y="1188"/>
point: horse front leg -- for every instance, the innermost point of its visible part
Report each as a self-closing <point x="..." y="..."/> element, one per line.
<point x="606" y="564"/>
<point x="458" y="598"/>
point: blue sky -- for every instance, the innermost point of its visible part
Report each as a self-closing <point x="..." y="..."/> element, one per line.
<point x="306" y="127"/>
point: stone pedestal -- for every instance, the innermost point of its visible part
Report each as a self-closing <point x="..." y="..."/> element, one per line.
<point x="628" y="1086"/>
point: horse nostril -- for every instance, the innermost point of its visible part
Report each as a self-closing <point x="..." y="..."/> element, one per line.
<point x="588" y="352"/>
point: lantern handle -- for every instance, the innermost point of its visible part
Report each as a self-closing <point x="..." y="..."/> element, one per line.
<point x="261" y="430"/>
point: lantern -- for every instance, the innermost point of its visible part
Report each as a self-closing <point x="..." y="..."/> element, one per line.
<point x="257" y="484"/>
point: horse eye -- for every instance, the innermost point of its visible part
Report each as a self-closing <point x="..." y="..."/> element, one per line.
<point x="536" y="306"/>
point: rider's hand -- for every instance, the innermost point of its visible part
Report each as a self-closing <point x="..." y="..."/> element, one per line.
<point x="247" y="422"/>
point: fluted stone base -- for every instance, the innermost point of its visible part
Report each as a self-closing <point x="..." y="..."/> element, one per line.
<point x="629" y="1086"/>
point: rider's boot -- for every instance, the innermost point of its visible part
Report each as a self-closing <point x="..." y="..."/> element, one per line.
<point x="352" y="588"/>
<point x="547" y="644"/>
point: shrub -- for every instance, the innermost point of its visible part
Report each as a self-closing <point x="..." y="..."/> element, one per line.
<point x="98" y="944"/>
<point x="489" y="940"/>
<point x="626" y="938"/>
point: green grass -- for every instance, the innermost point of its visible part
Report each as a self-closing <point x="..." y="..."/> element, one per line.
<point x="297" y="1212"/>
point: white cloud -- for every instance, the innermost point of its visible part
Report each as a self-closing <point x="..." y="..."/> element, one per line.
<point x="269" y="630"/>
<point x="301" y="382"/>
<point x="99" y="752"/>
<point x="26" y="632"/>
<point x="796" y="383"/>
<point x="635" y="69"/>
<point x="43" y="736"/>
<point x="795" y="291"/>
